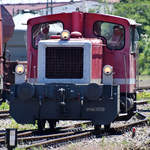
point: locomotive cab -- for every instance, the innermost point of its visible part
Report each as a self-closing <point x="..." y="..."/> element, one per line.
<point x="81" y="66"/>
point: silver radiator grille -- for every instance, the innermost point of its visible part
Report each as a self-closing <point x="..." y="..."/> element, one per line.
<point x="64" y="62"/>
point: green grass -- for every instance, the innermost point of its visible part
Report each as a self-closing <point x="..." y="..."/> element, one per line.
<point x="4" y="106"/>
<point x="13" y="124"/>
<point x="18" y="126"/>
<point x="148" y="120"/>
<point x="143" y="95"/>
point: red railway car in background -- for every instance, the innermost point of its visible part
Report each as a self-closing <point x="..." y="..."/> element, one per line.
<point x="81" y="66"/>
<point x="6" y="32"/>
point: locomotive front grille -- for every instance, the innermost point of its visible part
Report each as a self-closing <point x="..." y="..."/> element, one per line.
<point x="64" y="62"/>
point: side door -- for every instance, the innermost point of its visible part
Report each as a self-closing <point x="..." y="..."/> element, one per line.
<point x="116" y="56"/>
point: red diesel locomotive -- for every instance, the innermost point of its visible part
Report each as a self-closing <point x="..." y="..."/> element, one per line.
<point x="81" y="66"/>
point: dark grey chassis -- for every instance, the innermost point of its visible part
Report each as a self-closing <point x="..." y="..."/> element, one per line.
<point x="98" y="103"/>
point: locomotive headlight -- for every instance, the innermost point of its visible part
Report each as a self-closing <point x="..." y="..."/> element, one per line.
<point x="107" y="70"/>
<point x="65" y="35"/>
<point x="19" y="69"/>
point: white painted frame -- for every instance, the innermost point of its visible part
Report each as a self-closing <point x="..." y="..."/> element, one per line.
<point x="87" y="61"/>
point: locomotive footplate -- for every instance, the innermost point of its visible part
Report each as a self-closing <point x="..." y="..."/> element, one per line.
<point x="99" y="103"/>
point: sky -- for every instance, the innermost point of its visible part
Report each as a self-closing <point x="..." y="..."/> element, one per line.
<point x="31" y="1"/>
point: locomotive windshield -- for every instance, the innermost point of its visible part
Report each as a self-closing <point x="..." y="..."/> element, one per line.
<point x="113" y="33"/>
<point x="44" y="31"/>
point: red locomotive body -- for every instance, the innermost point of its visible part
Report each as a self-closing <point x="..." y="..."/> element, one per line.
<point x="6" y="31"/>
<point x="80" y="66"/>
<point x="123" y="60"/>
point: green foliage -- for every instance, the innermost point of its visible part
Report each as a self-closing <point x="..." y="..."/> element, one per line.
<point x="84" y="126"/>
<point x="106" y="9"/>
<point x="144" y="57"/>
<point x="4" y="106"/>
<point x="143" y="95"/>
<point x="124" y="142"/>
<point x="148" y="121"/>
<point x="103" y="142"/>
<point x="18" y="126"/>
<point x="139" y="11"/>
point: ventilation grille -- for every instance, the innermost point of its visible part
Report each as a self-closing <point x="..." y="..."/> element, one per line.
<point x="64" y="62"/>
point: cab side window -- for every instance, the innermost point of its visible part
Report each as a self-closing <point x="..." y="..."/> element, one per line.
<point x="134" y="38"/>
<point x="113" y="33"/>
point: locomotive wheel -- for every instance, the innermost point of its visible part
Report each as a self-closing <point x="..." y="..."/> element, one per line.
<point x="107" y="128"/>
<point x="41" y="125"/>
<point x="52" y="124"/>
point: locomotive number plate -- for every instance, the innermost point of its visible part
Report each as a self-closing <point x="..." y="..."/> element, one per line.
<point x="95" y="109"/>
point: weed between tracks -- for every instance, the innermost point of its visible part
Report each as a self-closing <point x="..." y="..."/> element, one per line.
<point x="14" y="124"/>
<point x="4" y="106"/>
<point x="11" y="123"/>
<point x="143" y="95"/>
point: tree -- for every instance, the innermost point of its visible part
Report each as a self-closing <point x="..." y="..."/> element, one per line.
<point x="104" y="7"/>
<point x="125" y="1"/>
<point x="139" y="11"/>
<point x="144" y="57"/>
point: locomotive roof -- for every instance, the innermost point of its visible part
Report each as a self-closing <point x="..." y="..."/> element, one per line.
<point x="130" y="21"/>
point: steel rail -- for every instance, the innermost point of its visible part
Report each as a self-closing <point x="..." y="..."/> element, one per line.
<point x="45" y="136"/>
<point x="2" y="116"/>
<point x="4" y="111"/>
<point x="131" y="124"/>
<point x="80" y="135"/>
<point x="20" y="133"/>
<point x="27" y="133"/>
<point x="2" y="133"/>
<point x="63" y="139"/>
<point x="77" y="125"/>
<point x="141" y="102"/>
<point x="72" y="127"/>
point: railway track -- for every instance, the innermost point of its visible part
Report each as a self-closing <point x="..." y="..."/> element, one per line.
<point x="24" y="135"/>
<point x="142" y="102"/>
<point x="64" y="134"/>
<point x="70" y="136"/>
<point x="34" y="131"/>
<point x="73" y="132"/>
<point x="4" y="114"/>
